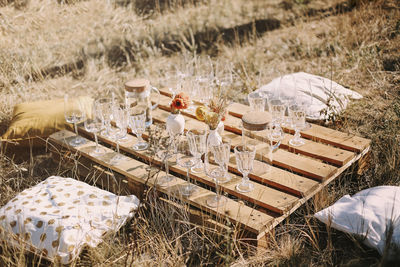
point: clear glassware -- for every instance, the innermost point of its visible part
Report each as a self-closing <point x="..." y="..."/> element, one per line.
<point x="245" y="155"/>
<point x="94" y="124"/>
<point x="186" y="160"/>
<point x="197" y="139"/>
<point x="257" y="101"/>
<point x="165" y="151"/>
<point x="221" y="155"/>
<point x="137" y="123"/>
<point x="298" y="115"/>
<point x="120" y="116"/>
<point x="277" y="110"/>
<point x="106" y="110"/>
<point x="287" y="94"/>
<point x="74" y="112"/>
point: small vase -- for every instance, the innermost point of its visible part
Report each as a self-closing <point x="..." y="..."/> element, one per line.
<point x="214" y="138"/>
<point x="175" y="124"/>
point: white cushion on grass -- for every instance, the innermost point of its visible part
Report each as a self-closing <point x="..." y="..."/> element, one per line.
<point x="323" y="91"/>
<point x="59" y="216"/>
<point x="368" y="213"/>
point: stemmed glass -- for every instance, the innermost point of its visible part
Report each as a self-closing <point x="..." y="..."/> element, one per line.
<point x="197" y="144"/>
<point x="257" y="101"/>
<point x="298" y="115"/>
<point x="165" y="151"/>
<point x="221" y="154"/>
<point x="138" y="126"/>
<point x="94" y="125"/>
<point x="106" y="110"/>
<point x="74" y="112"/>
<point x="186" y="160"/>
<point x="120" y="116"/>
<point x="245" y="155"/>
<point x="287" y="94"/>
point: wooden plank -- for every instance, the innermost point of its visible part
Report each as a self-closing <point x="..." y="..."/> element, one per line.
<point x="290" y="161"/>
<point x="313" y="149"/>
<point x="250" y="218"/>
<point x="265" y="197"/>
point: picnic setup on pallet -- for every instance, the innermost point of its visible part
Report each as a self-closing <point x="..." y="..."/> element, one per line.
<point x="249" y="165"/>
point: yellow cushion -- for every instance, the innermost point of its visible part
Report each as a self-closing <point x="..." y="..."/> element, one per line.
<point x="33" y="121"/>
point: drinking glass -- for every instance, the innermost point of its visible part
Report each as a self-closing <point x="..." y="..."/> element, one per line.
<point x="275" y="135"/>
<point x="165" y="151"/>
<point x="106" y="110"/>
<point x="256" y="101"/>
<point x="277" y="110"/>
<point x="137" y="123"/>
<point x="197" y="139"/>
<point x="245" y="155"/>
<point x="298" y="115"/>
<point x="221" y="154"/>
<point x="120" y="116"/>
<point x="74" y="112"/>
<point x="94" y="125"/>
<point x="287" y="94"/>
<point x="186" y="160"/>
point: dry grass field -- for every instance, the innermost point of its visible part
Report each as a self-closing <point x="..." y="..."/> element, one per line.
<point x="49" y="47"/>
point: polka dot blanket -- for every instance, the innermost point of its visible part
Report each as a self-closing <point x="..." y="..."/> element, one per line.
<point x="59" y="216"/>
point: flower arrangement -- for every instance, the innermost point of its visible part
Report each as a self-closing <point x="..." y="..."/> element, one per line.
<point x="180" y="101"/>
<point x="216" y="109"/>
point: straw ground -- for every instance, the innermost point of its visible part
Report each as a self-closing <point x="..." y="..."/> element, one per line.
<point x="50" y="48"/>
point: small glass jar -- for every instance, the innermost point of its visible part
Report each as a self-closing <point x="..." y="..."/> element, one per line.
<point x="138" y="98"/>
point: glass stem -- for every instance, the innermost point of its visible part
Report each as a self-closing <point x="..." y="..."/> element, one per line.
<point x="140" y="139"/>
<point x="217" y="189"/>
<point x="187" y="174"/>
<point x="245" y="180"/>
<point x="76" y="128"/>
<point x="118" y="147"/>
<point x="97" y="142"/>
<point x="297" y="134"/>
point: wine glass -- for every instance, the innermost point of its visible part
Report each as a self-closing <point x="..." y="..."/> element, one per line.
<point x="287" y="94"/>
<point x="298" y="115"/>
<point x="165" y="151"/>
<point x="94" y="124"/>
<point x="257" y="101"/>
<point x="277" y="110"/>
<point x="74" y="112"/>
<point x="106" y="110"/>
<point x="120" y="116"/>
<point x="221" y="155"/>
<point x="186" y="160"/>
<point x="197" y="139"/>
<point x="137" y="123"/>
<point x="245" y="155"/>
<point x="275" y="135"/>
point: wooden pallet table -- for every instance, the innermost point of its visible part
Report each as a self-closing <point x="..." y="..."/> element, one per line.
<point x="281" y="185"/>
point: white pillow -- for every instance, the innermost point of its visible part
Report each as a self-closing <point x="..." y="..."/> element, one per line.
<point x="58" y="216"/>
<point x="322" y="90"/>
<point x="368" y="214"/>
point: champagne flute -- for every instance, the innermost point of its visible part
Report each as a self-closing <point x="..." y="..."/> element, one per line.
<point x="221" y="154"/>
<point x="298" y="115"/>
<point x="137" y="123"/>
<point x="74" y="113"/>
<point x="186" y="160"/>
<point x="94" y="125"/>
<point x="197" y="144"/>
<point x="245" y="155"/>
